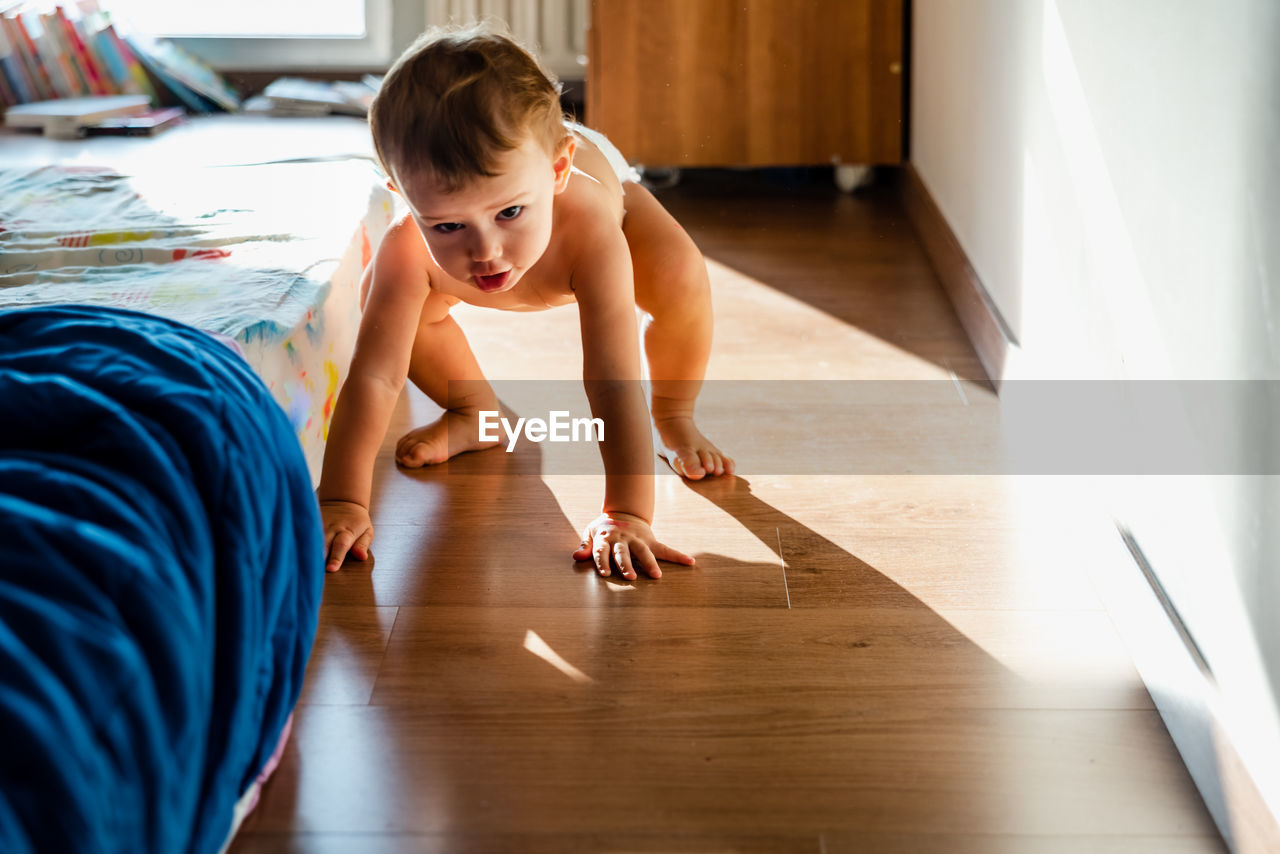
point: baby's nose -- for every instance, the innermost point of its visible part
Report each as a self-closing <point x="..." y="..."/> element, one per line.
<point x="485" y="248"/>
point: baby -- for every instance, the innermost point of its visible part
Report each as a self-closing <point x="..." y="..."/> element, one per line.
<point x="513" y="208"/>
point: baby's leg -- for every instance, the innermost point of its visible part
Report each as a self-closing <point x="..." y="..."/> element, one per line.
<point x="441" y="354"/>
<point x="672" y="288"/>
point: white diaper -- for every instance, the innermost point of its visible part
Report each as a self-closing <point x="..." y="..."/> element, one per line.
<point x="624" y="170"/>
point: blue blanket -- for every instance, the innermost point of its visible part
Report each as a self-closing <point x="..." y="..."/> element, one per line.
<point x="160" y="576"/>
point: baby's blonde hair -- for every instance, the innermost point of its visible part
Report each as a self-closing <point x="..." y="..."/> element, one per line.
<point x="458" y="98"/>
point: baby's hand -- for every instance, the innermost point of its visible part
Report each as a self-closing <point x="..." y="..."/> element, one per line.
<point x="621" y="541"/>
<point x="347" y="527"/>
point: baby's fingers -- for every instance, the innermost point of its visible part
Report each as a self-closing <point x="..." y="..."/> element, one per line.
<point x="583" y="551"/>
<point x="360" y="549"/>
<point x="342" y="542"/>
<point x="600" y="554"/>
<point x="662" y="551"/>
<point x="641" y="554"/>
<point x="339" y="542"/>
<point x="622" y="557"/>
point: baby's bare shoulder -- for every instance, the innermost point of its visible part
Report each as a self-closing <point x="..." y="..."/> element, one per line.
<point x="587" y="213"/>
<point x="400" y="249"/>
<point x="402" y="268"/>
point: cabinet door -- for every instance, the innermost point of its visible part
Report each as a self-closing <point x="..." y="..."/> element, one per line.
<point x="748" y="82"/>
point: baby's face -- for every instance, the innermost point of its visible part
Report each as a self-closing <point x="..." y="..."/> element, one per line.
<point x="489" y="233"/>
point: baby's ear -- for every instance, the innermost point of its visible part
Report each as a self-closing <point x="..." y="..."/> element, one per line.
<point x="392" y="188"/>
<point x="563" y="162"/>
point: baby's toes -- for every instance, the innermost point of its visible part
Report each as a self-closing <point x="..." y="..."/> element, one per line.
<point x="711" y="461"/>
<point x="414" y="454"/>
<point x="409" y="454"/>
<point x="728" y="463"/>
<point x="689" y="464"/>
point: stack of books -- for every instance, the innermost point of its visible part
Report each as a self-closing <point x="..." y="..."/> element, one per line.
<point x="69" y="118"/>
<point x="74" y="51"/>
<point x="293" y="96"/>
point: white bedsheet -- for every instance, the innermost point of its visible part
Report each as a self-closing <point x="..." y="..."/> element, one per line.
<point x="269" y="255"/>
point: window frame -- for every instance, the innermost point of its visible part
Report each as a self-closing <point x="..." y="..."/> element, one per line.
<point x="374" y="50"/>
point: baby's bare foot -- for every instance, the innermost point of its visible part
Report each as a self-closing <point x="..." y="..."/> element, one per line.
<point x="451" y="434"/>
<point x="689" y="453"/>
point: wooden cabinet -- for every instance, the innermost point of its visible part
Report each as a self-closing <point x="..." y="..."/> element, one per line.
<point x="748" y="82"/>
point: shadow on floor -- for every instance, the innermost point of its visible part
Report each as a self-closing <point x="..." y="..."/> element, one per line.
<point x="855" y="256"/>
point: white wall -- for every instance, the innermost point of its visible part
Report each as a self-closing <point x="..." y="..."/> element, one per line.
<point x="1112" y="170"/>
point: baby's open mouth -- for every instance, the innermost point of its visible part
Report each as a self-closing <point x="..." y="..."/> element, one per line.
<point x="494" y="282"/>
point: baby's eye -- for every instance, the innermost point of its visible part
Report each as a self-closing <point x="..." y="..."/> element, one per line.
<point x="446" y="227"/>
<point x="511" y="212"/>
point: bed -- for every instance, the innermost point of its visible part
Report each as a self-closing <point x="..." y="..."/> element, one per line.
<point x="269" y="255"/>
<point x="160" y="557"/>
<point x="171" y="344"/>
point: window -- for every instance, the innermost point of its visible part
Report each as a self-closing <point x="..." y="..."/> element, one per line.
<point x="251" y="18"/>
<point x="282" y="34"/>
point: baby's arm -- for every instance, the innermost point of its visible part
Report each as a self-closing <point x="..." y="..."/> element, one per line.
<point x="602" y="283"/>
<point x="392" y="312"/>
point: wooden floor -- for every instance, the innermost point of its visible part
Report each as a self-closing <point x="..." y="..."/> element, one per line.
<point x="859" y="662"/>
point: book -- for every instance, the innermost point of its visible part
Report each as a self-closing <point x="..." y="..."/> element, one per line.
<point x="110" y="61"/>
<point x="83" y="60"/>
<point x="51" y="50"/>
<point x="45" y="54"/>
<point x="264" y="106"/>
<point x="143" y="124"/>
<point x="14" y="71"/>
<point x="66" y="118"/>
<point x="24" y="49"/>
<point x="133" y="70"/>
<point x="39" y="75"/>
<point x="8" y="95"/>
<point x="295" y="95"/>
<point x="94" y="56"/>
<point x="170" y="90"/>
<point x="61" y="53"/>
<point x="191" y="79"/>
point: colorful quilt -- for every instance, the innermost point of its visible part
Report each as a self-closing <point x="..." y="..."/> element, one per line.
<point x="269" y="255"/>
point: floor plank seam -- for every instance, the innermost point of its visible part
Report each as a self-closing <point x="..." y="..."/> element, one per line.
<point x="785" y="586"/>
<point x="964" y="398"/>
<point x="373" y="689"/>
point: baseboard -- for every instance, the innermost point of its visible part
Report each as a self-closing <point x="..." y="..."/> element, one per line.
<point x="1188" y="700"/>
<point x="988" y="332"/>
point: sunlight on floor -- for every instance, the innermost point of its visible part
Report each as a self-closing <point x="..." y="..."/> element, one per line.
<point x="536" y="645"/>
<point x="828" y="349"/>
